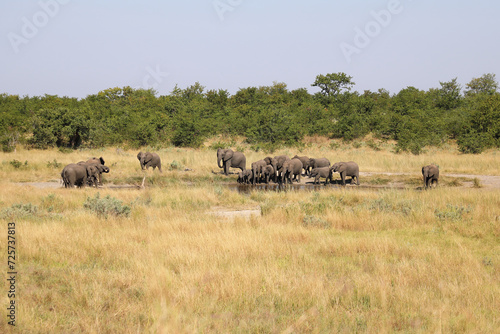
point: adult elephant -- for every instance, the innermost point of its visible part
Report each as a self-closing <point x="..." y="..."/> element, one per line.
<point x="78" y="175"/>
<point x="305" y="163"/>
<point x="347" y="169"/>
<point x="257" y="168"/>
<point x="292" y="169"/>
<point x="148" y="159"/>
<point x="99" y="164"/>
<point x="319" y="162"/>
<point x="430" y="174"/>
<point x="277" y="163"/>
<point x="227" y="158"/>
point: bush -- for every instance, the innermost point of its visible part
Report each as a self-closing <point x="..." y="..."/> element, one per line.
<point x="54" y="164"/>
<point x="108" y="205"/>
<point x="18" y="164"/>
<point x="19" y="211"/>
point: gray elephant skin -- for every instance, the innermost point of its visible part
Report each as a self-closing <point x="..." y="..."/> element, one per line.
<point x="99" y="164"/>
<point x="305" y="163"/>
<point x="245" y="176"/>
<point x="347" y="169"/>
<point x="79" y="175"/>
<point x="430" y="175"/>
<point x="257" y="168"/>
<point x="292" y="170"/>
<point x="148" y="159"/>
<point x="277" y="163"/>
<point x="319" y="162"/>
<point x="268" y="174"/>
<point x="227" y="158"/>
<point x="325" y="172"/>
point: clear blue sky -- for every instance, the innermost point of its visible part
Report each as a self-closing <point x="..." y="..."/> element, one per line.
<point x="80" y="47"/>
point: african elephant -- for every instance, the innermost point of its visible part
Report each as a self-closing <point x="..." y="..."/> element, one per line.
<point x="268" y="173"/>
<point x="257" y="167"/>
<point x="277" y="163"/>
<point x="98" y="163"/>
<point x="230" y="159"/>
<point x="430" y="174"/>
<point x="148" y="159"/>
<point x="319" y="162"/>
<point x="305" y="163"/>
<point x="245" y="176"/>
<point x="347" y="169"/>
<point x="77" y="175"/>
<point x="318" y="172"/>
<point x="291" y="170"/>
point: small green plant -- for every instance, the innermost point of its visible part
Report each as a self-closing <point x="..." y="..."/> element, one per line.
<point x="103" y="207"/>
<point x="222" y="144"/>
<point x="476" y="183"/>
<point x="65" y="150"/>
<point x="16" y="163"/>
<point x="54" y="164"/>
<point x="374" y="146"/>
<point x="175" y="165"/>
<point x="19" y="211"/>
<point x="452" y="212"/>
<point x="312" y="221"/>
<point x="334" y="145"/>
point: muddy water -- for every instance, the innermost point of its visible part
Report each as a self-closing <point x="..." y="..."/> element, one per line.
<point x="248" y="188"/>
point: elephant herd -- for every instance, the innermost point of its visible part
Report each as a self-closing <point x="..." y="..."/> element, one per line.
<point x="88" y="173"/>
<point x="282" y="169"/>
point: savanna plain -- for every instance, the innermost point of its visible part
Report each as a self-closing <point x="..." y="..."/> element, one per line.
<point x="382" y="257"/>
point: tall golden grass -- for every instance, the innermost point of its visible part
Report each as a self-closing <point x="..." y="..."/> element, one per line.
<point x="329" y="260"/>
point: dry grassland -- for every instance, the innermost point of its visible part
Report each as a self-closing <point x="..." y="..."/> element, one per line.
<point x="330" y="260"/>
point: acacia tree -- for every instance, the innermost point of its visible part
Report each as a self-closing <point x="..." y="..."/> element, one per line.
<point x="333" y="84"/>
<point x="486" y="84"/>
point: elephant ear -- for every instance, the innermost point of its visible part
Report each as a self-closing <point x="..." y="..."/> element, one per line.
<point x="342" y="167"/>
<point x="229" y="154"/>
<point x="139" y="155"/>
<point x="101" y="160"/>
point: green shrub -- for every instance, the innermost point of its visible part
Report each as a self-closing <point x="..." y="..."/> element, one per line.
<point x="19" y="211"/>
<point x="312" y="221"/>
<point x="175" y="165"/>
<point x="18" y="164"/>
<point x="54" y="164"/>
<point x="452" y="212"/>
<point x="103" y="207"/>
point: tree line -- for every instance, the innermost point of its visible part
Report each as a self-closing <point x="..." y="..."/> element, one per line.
<point x="267" y="116"/>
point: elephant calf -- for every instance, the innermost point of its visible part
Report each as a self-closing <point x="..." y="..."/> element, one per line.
<point x="430" y="174"/>
<point x="325" y="172"/>
<point x="245" y="176"/>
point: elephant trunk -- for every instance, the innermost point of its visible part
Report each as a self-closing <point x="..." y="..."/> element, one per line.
<point x="218" y="162"/>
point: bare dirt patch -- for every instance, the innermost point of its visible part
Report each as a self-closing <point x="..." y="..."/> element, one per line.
<point x="231" y="214"/>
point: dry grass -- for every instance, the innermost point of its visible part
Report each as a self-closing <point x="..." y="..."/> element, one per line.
<point x="334" y="260"/>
